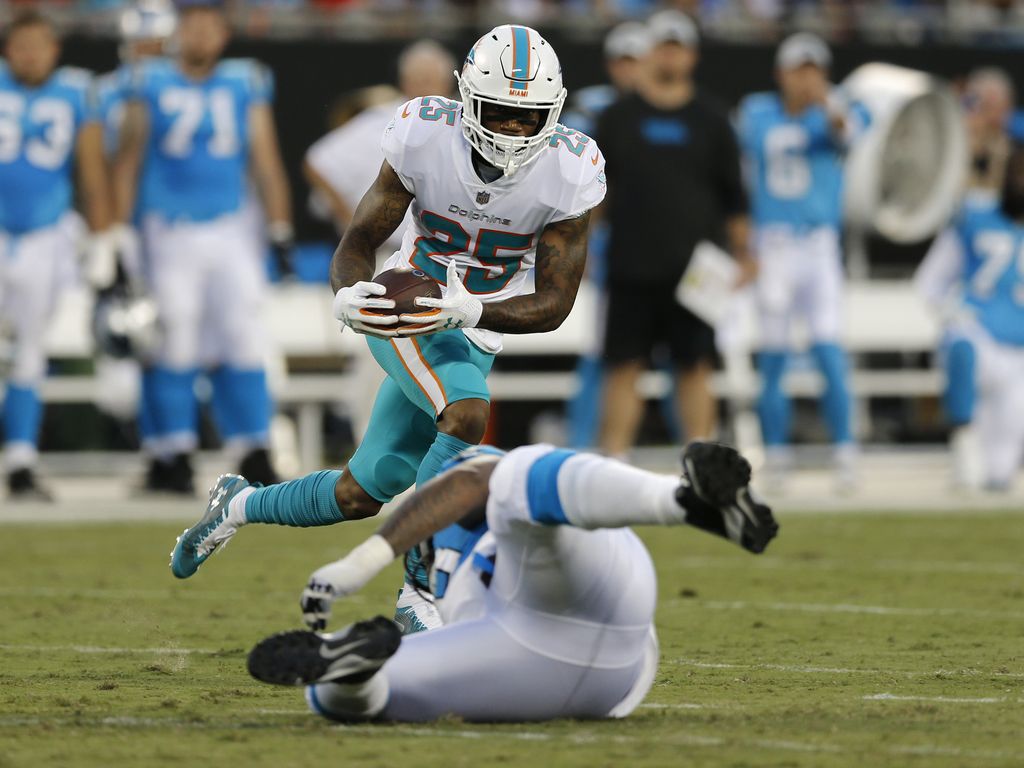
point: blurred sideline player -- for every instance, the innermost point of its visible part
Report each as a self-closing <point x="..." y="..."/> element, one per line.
<point x="497" y="187"/>
<point x="988" y="102"/>
<point x="624" y="47"/>
<point x="548" y="596"/>
<point x="342" y="165"/>
<point x="974" y="277"/>
<point x="674" y="169"/>
<point x="125" y="321"/>
<point x="194" y="126"/>
<point x="49" y="131"/>
<point x="794" y="142"/>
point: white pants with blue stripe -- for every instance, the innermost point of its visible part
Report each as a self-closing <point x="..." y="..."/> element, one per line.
<point x="564" y="629"/>
<point x="800" y="275"/>
<point x="209" y="282"/>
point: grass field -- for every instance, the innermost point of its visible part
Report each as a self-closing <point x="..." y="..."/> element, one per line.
<point x="863" y="638"/>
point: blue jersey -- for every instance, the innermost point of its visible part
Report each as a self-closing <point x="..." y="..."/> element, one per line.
<point x="993" y="271"/>
<point x="794" y="164"/>
<point x="196" y="164"/>
<point x="38" y="130"/>
<point x="587" y="105"/>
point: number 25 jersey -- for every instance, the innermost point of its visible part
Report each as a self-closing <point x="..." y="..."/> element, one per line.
<point x="490" y="230"/>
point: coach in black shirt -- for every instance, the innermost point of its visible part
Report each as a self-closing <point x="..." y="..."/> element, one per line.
<point x="674" y="179"/>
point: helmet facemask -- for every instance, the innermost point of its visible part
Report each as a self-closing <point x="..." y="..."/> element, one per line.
<point x="508" y="153"/>
<point x="515" y="68"/>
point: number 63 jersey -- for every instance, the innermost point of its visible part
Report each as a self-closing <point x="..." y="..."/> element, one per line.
<point x="38" y="130"/>
<point x="490" y="230"/>
<point x="196" y="165"/>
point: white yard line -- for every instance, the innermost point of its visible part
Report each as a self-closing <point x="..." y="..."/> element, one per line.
<point x="96" y="649"/>
<point x="103" y="593"/>
<point x="588" y="736"/>
<point x="870" y="610"/>
<point x="815" y="670"/>
<point x="943" y="699"/>
<point x="771" y="563"/>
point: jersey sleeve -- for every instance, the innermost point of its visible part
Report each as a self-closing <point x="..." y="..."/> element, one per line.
<point x="81" y="89"/>
<point x="582" y="184"/>
<point x="261" y="83"/>
<point x="942" y="267"/>
<point x="407" y="138"/>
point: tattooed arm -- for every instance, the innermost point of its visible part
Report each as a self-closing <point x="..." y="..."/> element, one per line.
<point x="561" y="258"/>
<point x="445" y="500"/>
<point x="458" y="494"/>
<point x="377" y="216"/>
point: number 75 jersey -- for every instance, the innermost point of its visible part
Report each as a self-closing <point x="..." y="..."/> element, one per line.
<point x="38" y="130"/>
<point x="196" y="164"/>
<point x="490" y="230"/>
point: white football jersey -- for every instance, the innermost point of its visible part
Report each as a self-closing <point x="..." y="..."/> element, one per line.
<point x="491" y="230"/>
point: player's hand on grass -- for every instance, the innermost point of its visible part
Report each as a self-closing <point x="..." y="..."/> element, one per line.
<point x="358" y="306"/>
<point x="343" y="577"/>
<point x="458" y="309"/>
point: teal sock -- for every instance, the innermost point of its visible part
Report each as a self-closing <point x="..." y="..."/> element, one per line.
<point x="303" y="503"/>
<point x="444" y="447"/>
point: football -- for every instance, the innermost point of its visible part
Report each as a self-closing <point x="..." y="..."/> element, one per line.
<point x="405" y="286"/>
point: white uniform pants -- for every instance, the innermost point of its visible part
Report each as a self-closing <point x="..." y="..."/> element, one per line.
<point x="34" y="269"/>
<point x="564" y="629"/>
<point x="800" y="274"/>
<point x="209" y="282"/>
<point x="999" y="413"/>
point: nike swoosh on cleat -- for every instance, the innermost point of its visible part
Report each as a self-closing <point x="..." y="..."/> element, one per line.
<point x="334" y="653"/>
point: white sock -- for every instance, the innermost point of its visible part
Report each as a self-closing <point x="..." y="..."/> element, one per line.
<point x="344" y="701"/>
<point x="598" y="492"/>
<point x="236" y="507"/>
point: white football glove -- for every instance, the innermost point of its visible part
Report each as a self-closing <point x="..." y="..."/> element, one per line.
<point x="343" y="577"/>
<point x="350" y="302"/>
<point x="99" y="265"/>
<point x="458" y="309"/>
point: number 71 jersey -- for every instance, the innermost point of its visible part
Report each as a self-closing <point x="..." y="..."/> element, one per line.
<point x="196" y="165"/>
<point x="490" y="230"/>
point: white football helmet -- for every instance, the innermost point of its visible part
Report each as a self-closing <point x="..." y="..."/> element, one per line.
<point x="513" y="66"/>
<point x="146" y="20"/>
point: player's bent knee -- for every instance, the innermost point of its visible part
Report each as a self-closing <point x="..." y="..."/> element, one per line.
<point x="352" y="500"/>
<point x="466" y="420"/>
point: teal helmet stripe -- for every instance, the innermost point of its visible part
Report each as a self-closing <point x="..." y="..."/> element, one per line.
<point x="520" y="58"/>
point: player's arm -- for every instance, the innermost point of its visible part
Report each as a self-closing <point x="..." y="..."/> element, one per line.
<point x="128" y="162"/>
<point x="733" y="197"/>
<point x="99" y="264"/>
<point x="93" y="181"/>
<point x="561" y="260"/>
<point x="268" y="173"/>
<point x="445" y="500"/>
<point x="938" y="277"/>
<point x="340" y="210"/>
<point x="377" y="216"/>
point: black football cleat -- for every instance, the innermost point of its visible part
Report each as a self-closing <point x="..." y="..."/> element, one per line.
<point x="716" y="495"/>
<point x="351" y="655"/>
<point x="257" y="468"/>
<point x="22" y="485"/>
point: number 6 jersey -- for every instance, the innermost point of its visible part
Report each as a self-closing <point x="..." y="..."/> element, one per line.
<point x="491" y="230"/>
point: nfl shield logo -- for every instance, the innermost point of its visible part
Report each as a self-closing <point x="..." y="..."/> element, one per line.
<point x="482" y="198"/>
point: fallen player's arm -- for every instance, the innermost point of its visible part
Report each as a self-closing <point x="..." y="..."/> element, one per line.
<point x="377" y="216"/>
<point x="447" y="499"/>
<point x="561" y="259"/>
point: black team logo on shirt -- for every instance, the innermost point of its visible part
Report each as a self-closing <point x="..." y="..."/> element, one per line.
<point x="476" y="215"/>
<point x="482" y="198"/>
